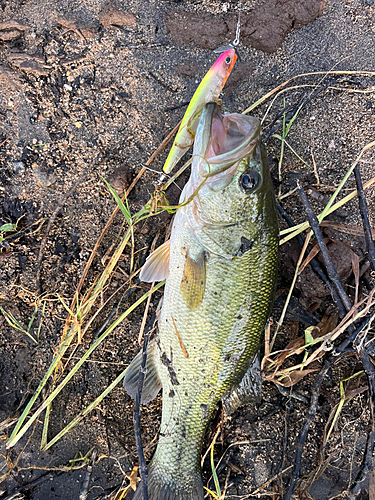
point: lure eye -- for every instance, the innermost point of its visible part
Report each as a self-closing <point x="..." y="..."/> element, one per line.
<point x="249" y="180"/>
<point x="227" y="60"/>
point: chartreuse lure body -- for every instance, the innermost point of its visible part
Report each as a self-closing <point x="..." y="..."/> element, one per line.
<point x="220" y="268"/>
<point x="208" y="91"/>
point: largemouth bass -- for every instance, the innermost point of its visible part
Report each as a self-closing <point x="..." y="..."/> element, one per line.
<point x="221" y="265"/>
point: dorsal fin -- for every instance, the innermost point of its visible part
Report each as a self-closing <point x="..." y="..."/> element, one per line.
<point x="156" y="267"/>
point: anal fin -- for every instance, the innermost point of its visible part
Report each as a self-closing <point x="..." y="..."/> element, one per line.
<point x="249" y="390"/>
<point x="152" y="383"/>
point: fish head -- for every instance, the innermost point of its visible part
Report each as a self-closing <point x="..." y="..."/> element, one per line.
<point x="230" y="172"/>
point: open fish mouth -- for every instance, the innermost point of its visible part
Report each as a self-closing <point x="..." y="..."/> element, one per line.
<point x="221" y="143"/>
<point x="224" y="139"/>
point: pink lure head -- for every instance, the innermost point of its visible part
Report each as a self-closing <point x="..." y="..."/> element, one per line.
<point x="224" y="65"/>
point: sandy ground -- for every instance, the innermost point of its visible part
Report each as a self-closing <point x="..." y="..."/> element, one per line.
<point x="87" y="78"/>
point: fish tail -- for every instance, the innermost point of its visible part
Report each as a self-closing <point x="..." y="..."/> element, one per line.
<point x="163" y="486"/>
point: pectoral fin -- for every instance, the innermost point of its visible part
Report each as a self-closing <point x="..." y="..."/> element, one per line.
<point x="193" y="281"/>
<point x="249" y="390"/>
<point x="152" y="383"/>
<point x="156" y="267"/>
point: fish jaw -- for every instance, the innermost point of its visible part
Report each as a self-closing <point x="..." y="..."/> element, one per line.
<point x="208" y="91"/>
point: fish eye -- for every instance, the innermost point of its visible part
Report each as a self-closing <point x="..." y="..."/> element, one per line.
<point x="249" y="180"/>
<point x="227" y="59"/>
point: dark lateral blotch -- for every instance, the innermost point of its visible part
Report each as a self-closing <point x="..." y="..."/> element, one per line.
<point x="245" y="246"/>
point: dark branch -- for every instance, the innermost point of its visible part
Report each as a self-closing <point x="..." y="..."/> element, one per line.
<point x="85" y="486"/>
<point x="335" y="356"/>
<point x="370" y="248"/>
<point x="136" y="416"/>
<point x="331" y="270"/>
<point x="291" y="113"/>
<point x="366" y="469"/>
<point x="316" y="267"/>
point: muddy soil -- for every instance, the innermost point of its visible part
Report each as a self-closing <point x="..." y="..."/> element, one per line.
<point x="91" y="88"/>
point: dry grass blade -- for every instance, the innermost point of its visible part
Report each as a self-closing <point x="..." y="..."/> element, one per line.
<point x="72" y="330"/>
<point x="299" y="262"/>
<point x="345" y="396"/>
<point x="331" y="207"/>
<point x="273" y="364"/>
<point x="77" y="314"/>
<point x="117" y="208"/>
<point x="282" y="85"/>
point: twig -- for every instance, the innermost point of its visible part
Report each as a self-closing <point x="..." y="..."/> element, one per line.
<point x="324" y="200"/>
<point x="44" y="477"/>
<point x="366" y="469"/>
<point x="370" y="372"/>
<point x="4" y="141"/>
<point x="110" y="220"/>
<point x="370" y="248"/>
<point x="267" y="483"/>
<point x="52" y="219"/>
<point x="315" y="265"/>
<point x="136" y="415"/>
<point x="331" y="270"/>
<point x="308" y="421"/>
<point x="291" y="113"/>
<point x="85" y="486"/>
<point x="282" y="85"/>
<point x="336" y="355"/>
<point x="178" y="106"/>
<point x="34" y="228"/>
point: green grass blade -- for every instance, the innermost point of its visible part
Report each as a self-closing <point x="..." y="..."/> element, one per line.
<point x="85" y="412"/>
<point x="14" y="436"/>
<point x="45" y="427"/>
<point x="214" y="475"/>
<point x="18" y="431"/>
<point x="333" y="197"/>
<point x="124" y="209"/>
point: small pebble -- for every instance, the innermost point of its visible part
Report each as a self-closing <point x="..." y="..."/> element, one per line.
<point x="18" y="167"/>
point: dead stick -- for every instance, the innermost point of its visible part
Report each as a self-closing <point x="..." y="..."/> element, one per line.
<point x="331" y="270"/>
<point x="370" y="248"/>
<point x="315" y="265"/>
<point x="308" y="421"/>
<point x="48" y="476"/>
<point x="52" y="219"/>
<point x="366" y="469"/>
<point x="336" y="355"/>
<point x="85" y="486"/>
<point x="290" y="115"/>
<point x="370" y="372"/>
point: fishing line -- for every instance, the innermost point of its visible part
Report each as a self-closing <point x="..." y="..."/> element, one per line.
<point x="235" y="42"/>
<point x="162" y="177"/>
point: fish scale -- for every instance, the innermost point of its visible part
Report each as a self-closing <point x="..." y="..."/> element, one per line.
<point x="225" y="242"/>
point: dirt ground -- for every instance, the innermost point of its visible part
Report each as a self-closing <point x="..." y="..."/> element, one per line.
<point x="86" y="79"/>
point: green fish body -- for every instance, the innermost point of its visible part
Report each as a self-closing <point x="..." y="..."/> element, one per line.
<point x="221" y="267"/>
